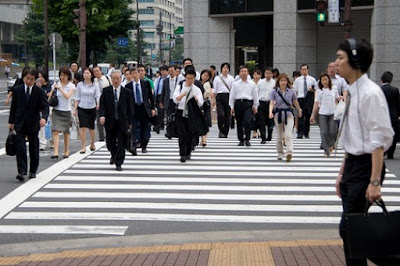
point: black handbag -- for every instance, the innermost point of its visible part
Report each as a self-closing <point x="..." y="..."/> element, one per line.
<point x="373" y="235"/>
<point x="11" y="143"/>
<point x="53" y="101"/>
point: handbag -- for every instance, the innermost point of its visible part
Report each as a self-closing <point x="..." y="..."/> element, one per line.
<point x="11" y="143"/>
<point x="53" y="101"/>
<point x="373" y="235"/>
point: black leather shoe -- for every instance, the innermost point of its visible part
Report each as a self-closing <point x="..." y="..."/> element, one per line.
<point x="188" y="157"/>
<point x="220" y="135"/>
<point x="247" y="143"/>
<point x="183" y="159"/>
<point x="118" y="168"/>
<point x="144" y="150"/>
<point x="263" y="142"/>
<point x="157" y="130"/>
<point x="32" y="175"/>
<point x="299" y="137"/>
<point x="167" y="136"/>
<point x="241" y="143"/>
<point x="133" y="151"/>
<point x="307" y="136"/>
<point x="112" y="160"/>
<point x="21" y="177"/>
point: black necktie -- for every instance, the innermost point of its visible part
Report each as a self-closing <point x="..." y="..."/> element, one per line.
<point x="115" y="104"/>
<point x="27" y="94"/>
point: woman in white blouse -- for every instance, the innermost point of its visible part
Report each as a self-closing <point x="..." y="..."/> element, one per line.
<point x="86" y="103"/>
<point x="325" y="105"/>
<point x="61" y="115"/>
<point x="205" y="78"/>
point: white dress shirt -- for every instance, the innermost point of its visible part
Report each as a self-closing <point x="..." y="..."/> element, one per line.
<point x="243" y="90"/>
<point x="64" y="104"/>
<point x="340" y="83"/>
<point x="298" y="85"/>
<point x="326" y="99"/>
<point x="172" y="85"/>
<point x="264" y="88"/>
<point x="367" y="125"/>
<point x="102" y="83"/>
<point x="194" y="90"/>
<point x="30" y="89"/>
<point x="219" y="86"/>
<point x="87" y="95"/>
<point x="181" y="76"/>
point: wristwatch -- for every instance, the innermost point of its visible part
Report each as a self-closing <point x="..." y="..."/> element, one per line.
<point x="375" y="182"/>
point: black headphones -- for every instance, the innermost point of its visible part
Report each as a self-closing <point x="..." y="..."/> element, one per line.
<point x="354" y="59"/>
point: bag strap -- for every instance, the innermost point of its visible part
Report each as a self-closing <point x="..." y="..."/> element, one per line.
<point x="223" y="81"/>
<point x="283" y="98"/>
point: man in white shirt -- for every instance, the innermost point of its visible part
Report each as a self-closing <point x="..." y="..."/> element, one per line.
<point x="110" y="70"/>
<point x="102" y="82"/>
<point x="158" y="90"/>
<point x="222" y="87"/>
<point x="127" y="77"/>
<point x="337" y="80"/>
<point x="366" y="133"/>
<point x="242" y="100"/>
<point x="265" y="87"/>
<point x="186" y="62"/>
<point x="304" y="86"/>
<point x="167" y="97"/>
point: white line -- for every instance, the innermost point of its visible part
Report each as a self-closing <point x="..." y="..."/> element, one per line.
<point x="23" y="192"/>
<point x="190" y="167"/>
<point x="226" y="152"/>
<point x="201" y="187"/>
<point x="191" y="206"/>
<point x="60" y="229"/>
<point x="173" y="217"/>
<point x="153" y="179"/>
<point x="4" y="111"/>
<point x="2" y="151"/>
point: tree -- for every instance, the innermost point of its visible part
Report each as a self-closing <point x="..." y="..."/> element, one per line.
<point x="107" y="19"/>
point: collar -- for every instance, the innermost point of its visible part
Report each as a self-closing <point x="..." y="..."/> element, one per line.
<point x="359" y="83"/>
<point x="26" y="87"/>
<point x="118" y="88"/>
<point x="134" y="82"/>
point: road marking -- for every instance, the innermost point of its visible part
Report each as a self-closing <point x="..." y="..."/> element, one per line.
<point x="2" y="151"/>
<point x="225" y="152"/>
<point x="201" y="187"/>
<point x="154" y="179"/>
<point x="24" y="191"/>
<point x="191" y="206"/>
<point x="173" y="217"/>
<point x="60" y="229"/>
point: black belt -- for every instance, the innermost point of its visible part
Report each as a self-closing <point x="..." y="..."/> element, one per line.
<point x="243" y="100"/>
<point x="264" y="101"/>
<point x="350" y="156"/>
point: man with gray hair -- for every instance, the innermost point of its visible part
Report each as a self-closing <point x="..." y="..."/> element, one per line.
<point x="116" y="116"/>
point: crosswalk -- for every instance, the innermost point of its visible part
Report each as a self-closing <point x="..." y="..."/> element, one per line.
<point x="222" y="184"/>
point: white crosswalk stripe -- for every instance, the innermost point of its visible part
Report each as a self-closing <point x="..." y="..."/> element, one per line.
<point x="222" y="183"/>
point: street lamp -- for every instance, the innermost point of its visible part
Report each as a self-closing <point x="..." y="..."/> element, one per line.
<point x="138" y="31"/>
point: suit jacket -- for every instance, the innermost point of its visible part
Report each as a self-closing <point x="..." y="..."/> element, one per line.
<point x="107" y="109"/>
<point x="166" y="92"/>
<point x="147" y="95"/>
<point x="393" y="99"/>
<point x="26" y="115"/>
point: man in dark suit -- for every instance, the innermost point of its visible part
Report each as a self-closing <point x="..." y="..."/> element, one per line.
<point x="29" y="111"/>
<point x="149" y="71"/>
<point x="143" y="110"/>
<point x="393" y="99"/>
<point x="167" y="96"/>
<point x="116" y="116"/>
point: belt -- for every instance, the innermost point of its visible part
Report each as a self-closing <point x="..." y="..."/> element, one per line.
<point x="243" y="100"/>
<point x="264" y="101"/>
<point x="350" y="156"/>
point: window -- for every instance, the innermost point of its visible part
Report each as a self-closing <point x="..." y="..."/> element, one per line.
<point x="310" y="4"/>
<point x="147" y="23"/>
<point x="148" y="34"/>
<point x="146" y="1"/>
<point x="239" y="6"/>
<point x="147" y="11"/>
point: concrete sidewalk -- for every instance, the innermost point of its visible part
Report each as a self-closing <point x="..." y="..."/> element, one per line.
<point x="301" y="252"/>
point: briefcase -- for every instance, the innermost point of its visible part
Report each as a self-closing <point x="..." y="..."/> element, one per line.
<point x="11" y="143"/>
<point x="373" y="235"/>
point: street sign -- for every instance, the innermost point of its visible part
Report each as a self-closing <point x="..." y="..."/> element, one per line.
<point x="159" y="27"/>
<point x="179" y="30"/>
<point x="122" y="42"/>
<point x="58" y="40"/>
<point x="321" y="17"/>
<point x="333" y="11"/>
<point x="153" y="56"/>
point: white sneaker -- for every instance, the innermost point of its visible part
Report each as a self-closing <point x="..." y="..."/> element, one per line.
<point x="280" y="157"/>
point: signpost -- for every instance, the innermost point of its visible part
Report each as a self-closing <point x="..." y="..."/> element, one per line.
<point x="333" y="11"/>
<point x="55" y="40"/>
<point x="122" y="42"/>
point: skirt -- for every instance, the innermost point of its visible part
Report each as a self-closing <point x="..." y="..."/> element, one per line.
<point x="61" y="121"/>
<point x="86" y="117"/>
<point x="207" y="112"/>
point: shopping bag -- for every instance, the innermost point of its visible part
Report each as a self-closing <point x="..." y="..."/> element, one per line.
<point x="373" y="235"/>
<point x="47" y="130"/>
<point x="74" y="129"/>
<point x="339" y="111"/>
<point x="11" y="143"/>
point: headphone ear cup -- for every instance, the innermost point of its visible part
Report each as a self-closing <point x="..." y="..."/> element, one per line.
<point x="354" y="60"/>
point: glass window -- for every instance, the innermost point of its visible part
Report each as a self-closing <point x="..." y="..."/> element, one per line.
<point x="310" y="4"/>
<point x="147" y="23"/>
<point x="146" y="1"/>
<point x="146" y="11"/>
<point x="239" y="6"/>
<point x="148" y="34"/>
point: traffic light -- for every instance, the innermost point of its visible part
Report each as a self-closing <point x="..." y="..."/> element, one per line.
<point x="321" y="9"/>
<point x="81" y="17"/>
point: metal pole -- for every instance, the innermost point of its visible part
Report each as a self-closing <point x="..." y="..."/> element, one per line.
<point x="54" y="56"/>
<point x="170" y="36"/>
<point x="138" y="31"/>
<point x="82" y="32"/>
<point x="161" y="53"/>
<point x="347" y="19"/>
<point x="46" y="38"/>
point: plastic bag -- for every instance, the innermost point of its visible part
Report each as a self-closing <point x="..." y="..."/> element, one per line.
<point x="74" y="128"/>
<point x="339" y="111"/>
<point x="47" y="130"/>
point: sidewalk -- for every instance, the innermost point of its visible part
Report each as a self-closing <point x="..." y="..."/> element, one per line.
<point x="305" y="252"/>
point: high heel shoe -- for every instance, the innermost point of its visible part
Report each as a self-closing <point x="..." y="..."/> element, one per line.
<point x="204" y="144"/>
<point x="66" y="156"/>
<point x="54" y="157"/>
<point x="92" y="149"/>
<point x="82" y="152"/>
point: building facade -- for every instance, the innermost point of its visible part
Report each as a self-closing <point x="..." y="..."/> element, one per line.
<point x="286" y="34"/>
<point x="168" y="13"/>
<point x="11" y="19"/>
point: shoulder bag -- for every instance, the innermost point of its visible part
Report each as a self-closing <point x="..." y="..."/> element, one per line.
<point x="53" y="101"/>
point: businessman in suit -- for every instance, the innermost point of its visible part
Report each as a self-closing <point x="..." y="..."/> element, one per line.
<point x="116" y="116"/>
<point x="167" y="96"/>
<point x="143" y="110"/>
<point x="393" y="99"/>
<point x="29" y="112"/>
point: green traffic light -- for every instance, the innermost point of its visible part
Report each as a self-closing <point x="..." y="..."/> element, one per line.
<point x="321" y="17"/>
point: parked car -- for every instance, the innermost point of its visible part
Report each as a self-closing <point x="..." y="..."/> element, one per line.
<point x="12" y="80"/>
<point x="104" y="67"/>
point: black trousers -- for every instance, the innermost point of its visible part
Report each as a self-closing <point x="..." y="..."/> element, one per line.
<point x="140" y="125"/>
<point x="304" y="121"/>
<point x="392" y="149"/>
<point x="160" y="113"/>
<point x="22" y="159"/>
<point x="170" y="110"/>
<point x="116" y="143"/>
<point x="185" y="139"/>
<point x="223" y="112"/>
<point x="264" y="120"/>
<point x="243" y="109"/>
<point x="355" y="181"/>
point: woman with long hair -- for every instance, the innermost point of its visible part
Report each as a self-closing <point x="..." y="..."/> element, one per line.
<point x="205" y="78"/>
<point x="43" y="83"/>
<point x="325" y="105"/>
<point x="283" y="98"/>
